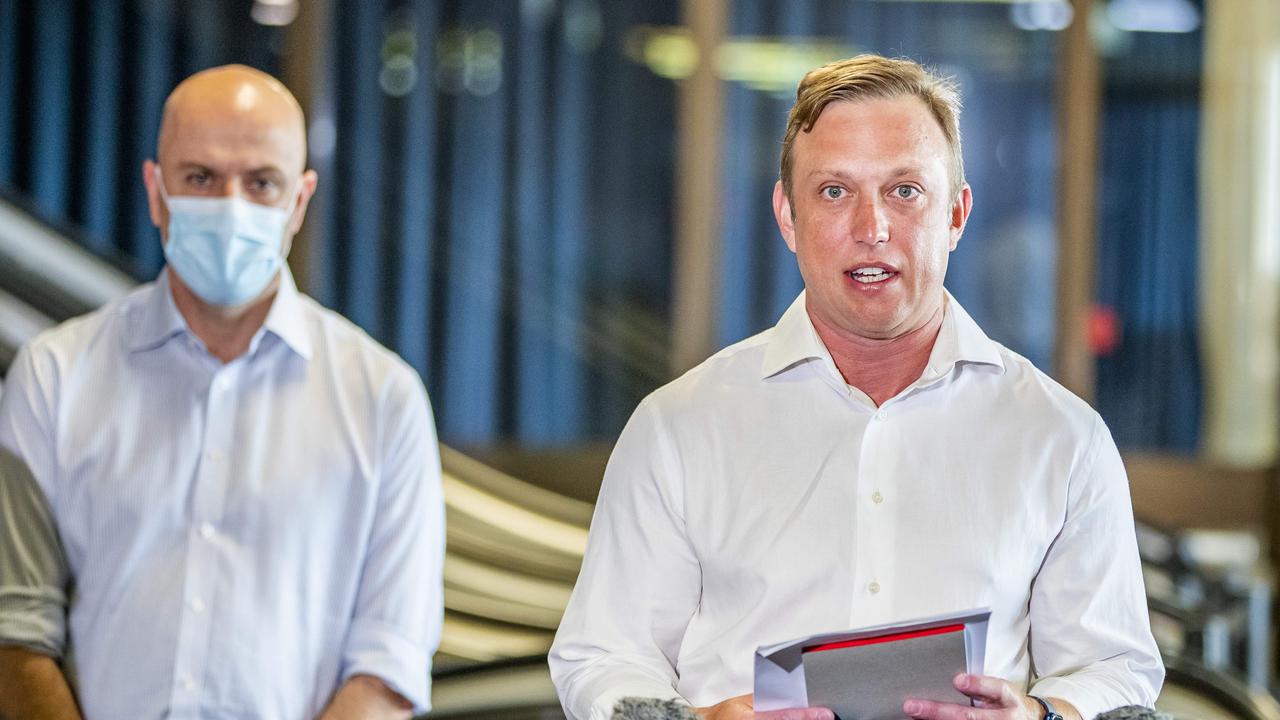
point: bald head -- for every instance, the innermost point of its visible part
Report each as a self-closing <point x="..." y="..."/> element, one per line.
<point x="240" y="104"/>
<point x="231" y="131"/>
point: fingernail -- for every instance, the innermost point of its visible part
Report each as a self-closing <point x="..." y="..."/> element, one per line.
<point x="911" y="707"/>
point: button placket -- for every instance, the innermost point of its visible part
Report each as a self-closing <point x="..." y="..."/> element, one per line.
<point x="867" y="532"/>
<point x="208" y="498"/>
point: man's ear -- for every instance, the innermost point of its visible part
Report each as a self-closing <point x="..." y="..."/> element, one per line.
<point x="783" y="215"/>
<point x="960" y="210"/>
<point x="307" y="191"/>
<point x="156" y="208"/>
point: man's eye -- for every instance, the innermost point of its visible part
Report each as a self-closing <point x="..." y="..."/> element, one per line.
<point x="198" y="179"/>
<point x="906" y="192"/>
<point x="833" y="192"/>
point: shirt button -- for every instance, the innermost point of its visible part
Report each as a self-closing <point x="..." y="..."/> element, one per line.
<point x="197" y="605"/>
<point x="874" y="587"/>
<point x="876" y="497"/>
<point x="207" y="530"/>
<point x="882" y="415"/>
<point x="187" y="683"/>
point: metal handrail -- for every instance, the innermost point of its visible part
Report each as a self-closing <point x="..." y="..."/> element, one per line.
<point x="54" y="275"/>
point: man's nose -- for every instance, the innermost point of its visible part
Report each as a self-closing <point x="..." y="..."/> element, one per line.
<point x="232" y="188"/>
<point x="870" y="223"/>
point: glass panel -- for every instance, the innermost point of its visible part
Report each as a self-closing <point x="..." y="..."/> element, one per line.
<point x="1144" y="327"/>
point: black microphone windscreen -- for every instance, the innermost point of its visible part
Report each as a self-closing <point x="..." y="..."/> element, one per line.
<point x="652" y="709"/>
<point x="1132" y="712"/>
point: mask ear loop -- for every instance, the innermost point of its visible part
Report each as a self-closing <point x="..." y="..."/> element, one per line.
<point x="293" y="202"/>
<point x="160" y="186"/>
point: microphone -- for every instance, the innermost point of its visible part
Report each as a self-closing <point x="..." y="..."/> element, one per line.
<point x="1133" y="712"/>
<point x="632" y="708"/>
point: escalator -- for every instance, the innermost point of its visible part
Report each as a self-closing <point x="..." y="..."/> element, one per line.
<point x="513" y="547"/>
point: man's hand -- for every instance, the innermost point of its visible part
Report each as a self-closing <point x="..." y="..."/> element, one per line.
<point x="32" y="687"/>
<point x="740" y="708"/>
<point x="996" y="700"/>
<point x="365" y="697"/>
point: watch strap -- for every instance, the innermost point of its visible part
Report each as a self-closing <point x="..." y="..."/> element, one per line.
<point x="1049" y="712"/>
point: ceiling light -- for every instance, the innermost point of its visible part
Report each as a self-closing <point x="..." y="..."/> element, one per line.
<point x="1169" y="16"/>
<point x="1045" y="15"/>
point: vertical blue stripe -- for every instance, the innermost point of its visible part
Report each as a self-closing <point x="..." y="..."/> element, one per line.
<point x="744" y="189"/>
<point x="476" y="271"/>
<point x="784" y="281"/>
<point x="8" y="88"/>
<point x="152" y="41"/>
<point x="52" y="106"/>
<point x="418" y="208"/>
<point x="569" y="172"/>
<point x="101" y="152"/>
<point x="208" y="37"/>
<point x="361" y="241"/>
<point x="534" y="343"/>
<point x="324" y="217"/>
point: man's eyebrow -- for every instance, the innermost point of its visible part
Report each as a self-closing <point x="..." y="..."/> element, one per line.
<point x="898" y="172"/>
<point x="825" y="172"/>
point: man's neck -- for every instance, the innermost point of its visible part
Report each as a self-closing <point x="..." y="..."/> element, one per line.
<point x="225" y="331"/>
<point x="881" y="368"/>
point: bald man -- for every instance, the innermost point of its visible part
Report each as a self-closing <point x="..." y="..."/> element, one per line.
<point x="220" y="500"/>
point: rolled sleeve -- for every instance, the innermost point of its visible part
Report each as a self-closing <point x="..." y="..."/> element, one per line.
<point x="639" y="586"/>
<point x="400" y="601"/>
<point x="34" y="574"/>
<point x="387" y="653"/>
<point x="1091" y="641"/>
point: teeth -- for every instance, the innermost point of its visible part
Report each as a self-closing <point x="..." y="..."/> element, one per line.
<point x="870" y="275"/>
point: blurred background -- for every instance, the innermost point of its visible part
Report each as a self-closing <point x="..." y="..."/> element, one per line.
<point x="552" y="207"/>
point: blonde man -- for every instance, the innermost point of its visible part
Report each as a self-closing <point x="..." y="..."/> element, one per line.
<point x="872" y="458"/>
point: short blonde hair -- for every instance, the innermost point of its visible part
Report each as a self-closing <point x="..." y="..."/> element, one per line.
<point x="872" y="76"/>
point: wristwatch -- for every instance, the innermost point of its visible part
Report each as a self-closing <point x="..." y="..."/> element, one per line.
<point x="1049" y="712"/>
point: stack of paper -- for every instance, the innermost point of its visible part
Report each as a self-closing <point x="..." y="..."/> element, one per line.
<point x="866" y="674"/>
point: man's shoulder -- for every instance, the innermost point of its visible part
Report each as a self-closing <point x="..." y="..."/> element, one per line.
<point x="1028" y="390"/>
<point x="353" y="350"/>
<point x="733" y="370"/>
<point x="97" y="330"/>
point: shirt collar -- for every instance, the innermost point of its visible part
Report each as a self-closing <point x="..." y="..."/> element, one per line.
<point x="285" y="319"/>
<point x="157" y="318"/>
<point x="795" y="340"/>
<point x="960" y="340"/>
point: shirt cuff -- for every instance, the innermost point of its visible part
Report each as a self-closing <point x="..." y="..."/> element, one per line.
<point x="34" y="619"/>
<point x="1085" y="700"/>
<point x="378" y="649"/>
<point x="608" y="694"/>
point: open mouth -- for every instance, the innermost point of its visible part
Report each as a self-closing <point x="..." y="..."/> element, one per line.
<point x="871" y="274"/>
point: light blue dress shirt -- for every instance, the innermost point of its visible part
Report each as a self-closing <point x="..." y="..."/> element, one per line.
<point x="239" y="539"/>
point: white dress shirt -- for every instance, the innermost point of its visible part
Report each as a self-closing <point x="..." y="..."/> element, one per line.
<point x="759" y="498"/>
<point x="239" y="539"/>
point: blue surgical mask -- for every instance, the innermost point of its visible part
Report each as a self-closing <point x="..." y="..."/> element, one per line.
<point x="226" y="249"/>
